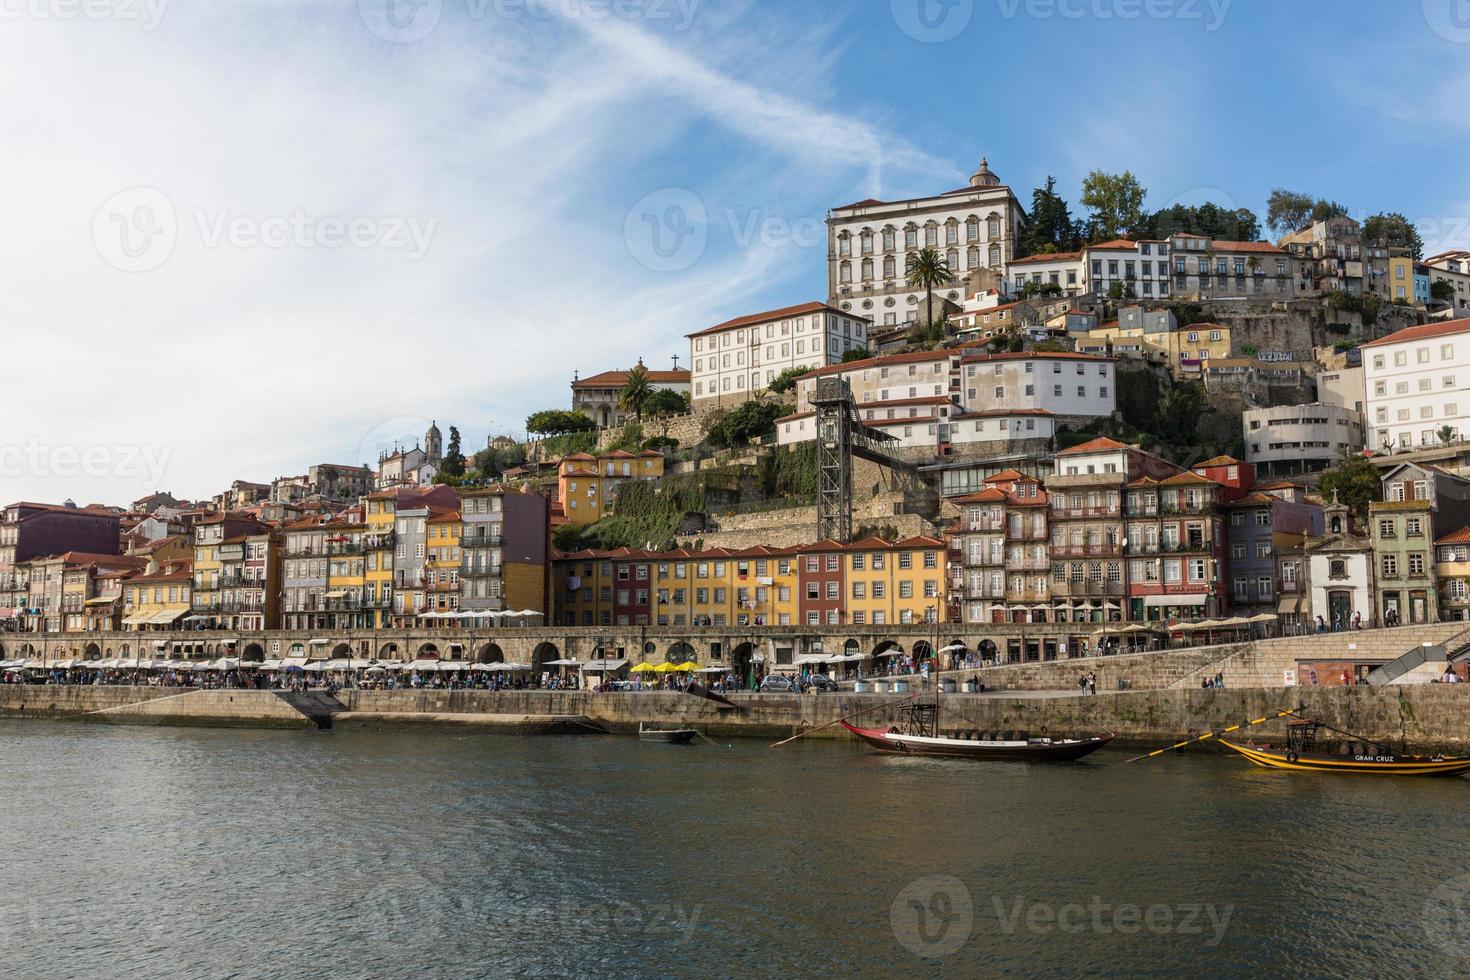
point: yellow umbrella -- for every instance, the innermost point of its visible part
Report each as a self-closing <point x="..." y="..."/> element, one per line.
<point x="687" y="666"/>
<point x="666" y="668"/>
<point x="644" y="669"/>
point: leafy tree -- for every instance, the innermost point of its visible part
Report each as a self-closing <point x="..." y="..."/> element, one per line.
<point x="1032" y="288"/>
<point x="490" y="463"/>
<point x="667" y="401"/>
<point x="740" y="425"/>
<point x="661" y="444"/>
<point x="786" y="380"/>
<point x="856" y="354"/>
<point x="1049" y="227"/>
<point x="1447" y="434"/>
<point x="1288" y="211"/>
<point x="1116" y="202"/>
<point x="1209" y="219"/>
<point x="927" y="269"/>
<point x="1356" y="483"/>
<point x="636" y="391"/>
<point x="1393" y="230"/>
<point x="1442" y="290"/>
<point x="1324" y="209"/>
<point x="557" y="422"/>
<point x="453" y="462"/>
<point x="330" y="477"/>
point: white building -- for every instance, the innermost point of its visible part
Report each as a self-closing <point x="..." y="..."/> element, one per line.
<point x="1219" y="269"/>
<point x="1065" y="270"/>
<point x="1417" y="383"/>
<point x="1286" y="440"/>
<point x="1343" y="388"/>
<point x="1453" y="268"/>
<point x="738" y="358"/>
<point x="1141" y="267"/>
<point x="870" y="244"/>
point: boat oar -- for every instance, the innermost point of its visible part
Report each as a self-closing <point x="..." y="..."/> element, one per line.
<point x="710" y="740"/>
<point x="874" y="707"/>
<point x="1213" y="734"/>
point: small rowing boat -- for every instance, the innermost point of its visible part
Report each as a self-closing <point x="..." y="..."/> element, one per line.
<point x="671" y="736"/>
<point x="1302" y="754"/>
<point x="921" y="737"/>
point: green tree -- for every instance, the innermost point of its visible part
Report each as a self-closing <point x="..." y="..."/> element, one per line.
<point x="1049" y="226"/>
<point x="557" y="422"/>
<point x="1447" y="434"/>
<point x="1356" y="483"/>
<point x="1116" y="202"/>
<point x="786" y="380"/>
<point x="927" y="269"/>
<point x="452" y="465"/>
<point x="856" y="354"/>
<point x="1288" y="211"/>
<point x="1209" y="219"/>
<point x="738" y="426"/>
<point x="667" y="401"/>
<point x="636" y="391"/>
<point x="1393" y="230"/>
<point x="1442" y="290"/>
<point x="1032" y="288"/>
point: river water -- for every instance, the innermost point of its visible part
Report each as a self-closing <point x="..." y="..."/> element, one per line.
<point x="156" y="852"/>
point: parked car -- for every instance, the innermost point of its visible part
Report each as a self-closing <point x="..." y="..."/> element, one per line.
<point x="821" y="684"/>
<point x="778" y="684"/>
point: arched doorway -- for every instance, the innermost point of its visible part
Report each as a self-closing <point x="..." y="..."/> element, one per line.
<point x="253" y="653"/>
<point x="851" y="648"/>
<point x="744" y="665"/>
<point x="92" y="652"/>
<point x="544" y="654"/>
<point x="342" y="651"/>
<point x="680" y="653"/>
<point x="388" y="651"/>
<point x="427" y="651"/>
<point x="27" y="651"/>
<point x="490" y="653"/>
<point x="923" y="650"/>
<point x="987" y="649"/>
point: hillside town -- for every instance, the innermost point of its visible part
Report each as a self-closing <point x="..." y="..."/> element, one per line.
<point x="1131" y="421"/>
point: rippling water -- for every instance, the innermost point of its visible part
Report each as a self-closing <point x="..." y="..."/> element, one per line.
<point x="145" y="852"/>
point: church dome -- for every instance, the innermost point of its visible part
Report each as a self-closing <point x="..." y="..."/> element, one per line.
<point x="984" y="177"/>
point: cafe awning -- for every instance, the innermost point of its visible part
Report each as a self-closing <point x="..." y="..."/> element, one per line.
<point x="1289" y="604"/>
<point x="1195" y="599"/>
<point x="167" y="616"/>
<point x="127" y="621"/>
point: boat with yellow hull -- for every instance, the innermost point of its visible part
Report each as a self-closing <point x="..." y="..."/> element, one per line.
<point x="1374" y="760"/>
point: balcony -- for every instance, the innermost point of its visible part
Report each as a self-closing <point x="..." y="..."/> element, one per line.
<point x="481" y="541"/>
<point x="1087" y="551"/>
<point x="1084" y="590"/>
<point x="488" y="571"/>
<point x="1026" y="534"/>
<point x="1085" y="512"/>
<point x="1028" y="595"/>
<point x="1029" y="564"/>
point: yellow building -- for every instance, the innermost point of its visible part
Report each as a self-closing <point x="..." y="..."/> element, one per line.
<point x="1452" y="572"/>
<point x="900" y="582"/>
<point x="1183" y="350"/>
<point x="442" y="562"/>
<point x="158" y="599"/>
<point x="346" y="557"/>
<point x="1401" y="279"/>
<point x="587" y="485"/>
<point x="378" y="516"/>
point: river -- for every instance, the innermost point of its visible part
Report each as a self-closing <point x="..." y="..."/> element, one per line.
<point x="158" y="852"/>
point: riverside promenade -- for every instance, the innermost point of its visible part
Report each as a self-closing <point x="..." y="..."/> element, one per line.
<point x="1142" y="698"/>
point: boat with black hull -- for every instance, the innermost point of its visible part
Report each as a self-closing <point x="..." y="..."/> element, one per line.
<point x="920" y="735"/>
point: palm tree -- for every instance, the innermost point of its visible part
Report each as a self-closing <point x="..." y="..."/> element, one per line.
<point x="927" y="269"/>
<point x="636" y="391"/>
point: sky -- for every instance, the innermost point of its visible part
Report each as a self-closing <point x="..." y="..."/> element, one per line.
<point x="241" y="238"/>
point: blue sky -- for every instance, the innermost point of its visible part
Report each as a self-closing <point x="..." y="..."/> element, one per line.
<point x="244" y="238"/>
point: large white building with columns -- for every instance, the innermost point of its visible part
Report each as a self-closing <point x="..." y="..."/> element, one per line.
<point x="870" y="243"/>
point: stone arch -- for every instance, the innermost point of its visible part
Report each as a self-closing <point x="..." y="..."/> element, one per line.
<point x="987" y="649"/>
<point x="742" y="659"/>
<point x="923" y="650"/>
<point x="92" y="652"/>
<point x="545" y="652"/>
<point x="490" y="653"/>
<point x="680" y="652"/>
<point x="851" y="648"/>
<point x="253" y="653"/>
<point x="2" y="651"/>
<point x="887" y="645"/>
<point x="388" y="651"/>
<point x="342" y="651"/>
<point x="125" y="649"/>
<point x="427" y="651"/>
<point x="27" y="651"/>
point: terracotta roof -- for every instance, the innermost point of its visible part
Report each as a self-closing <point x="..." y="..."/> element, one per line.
<point x="1220" y="461"/>
<point x="858" y="204"/>
<point x="989" y="495"/>
<point x="616" y="379"/>
<point x="1005" y="475"/>
<point x="781" y="314"/>
<point x="1051" y="257"/>
<point x="1115" y="245"/>
<point x="929" y="400"/>
<point x="1462" y="536"/>
<point x="882" y="360"/>
<point x="1028" y="355"/>
<point x="1423" y="332"/>
<point x="1098" y="445"/>
<point x="1005" y="413"/>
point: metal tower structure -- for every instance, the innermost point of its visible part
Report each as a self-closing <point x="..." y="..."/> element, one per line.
<point x="841" y="435"/>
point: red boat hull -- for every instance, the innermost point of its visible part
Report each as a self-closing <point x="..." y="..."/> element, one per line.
<point x="1040" y="750"/>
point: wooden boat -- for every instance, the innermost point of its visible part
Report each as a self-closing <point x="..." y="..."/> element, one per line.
<point x="1302" y="754"/>
<point x="920" y="736"/>
<point x="671" y="736"/>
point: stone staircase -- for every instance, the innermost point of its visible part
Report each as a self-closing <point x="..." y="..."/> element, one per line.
<point x="318" y="706"/>
<point x="1422" y="663"/>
